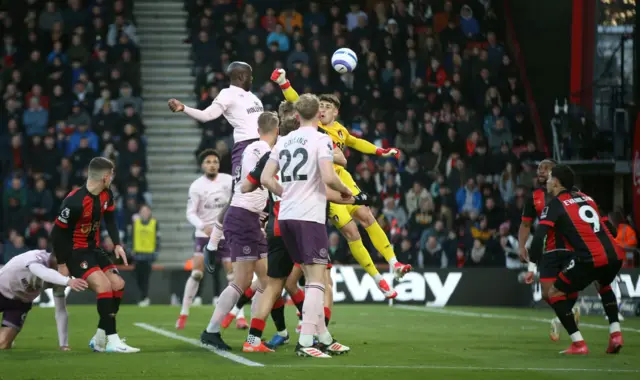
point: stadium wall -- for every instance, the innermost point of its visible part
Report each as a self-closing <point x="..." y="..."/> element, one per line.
<point x="441" y="287"/>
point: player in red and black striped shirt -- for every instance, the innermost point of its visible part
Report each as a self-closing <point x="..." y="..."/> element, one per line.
<point x="596" y="257"/>
<point x="76" y="244"/>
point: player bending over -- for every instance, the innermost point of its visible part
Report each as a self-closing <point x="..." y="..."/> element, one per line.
<point x="243" y="232"/>
<point x="302" y="215"/>
<point x="208" y="196"/>
<point x="574" y="216"/>
<point x="241" y="108"/>
<point x="21" y="281"/>
<point x="341" y="216"/>
<point x="76" y="244"/>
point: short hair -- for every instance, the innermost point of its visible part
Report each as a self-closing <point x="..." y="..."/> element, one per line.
<point x="289" y="125"/>
<point x="267" y="122"/>
<point x="565" y="175"/>
<point x="331" y="98"/>
<point x="548" y="161"/>
<point x="285" y="109"/>
<point x="307" y="106"/>
<point x="98" y="166"/>
<point x="206" y="153"/>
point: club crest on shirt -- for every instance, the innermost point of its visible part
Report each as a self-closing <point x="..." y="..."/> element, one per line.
<point x="105" y="205"/>
<point x="340" y="134"/>
<point x="84" y="265"/>
<point x="544" y="212"/>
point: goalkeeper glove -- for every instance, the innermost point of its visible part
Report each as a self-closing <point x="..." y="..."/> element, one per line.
<point x="280" y="77"/>
<point x="388" y="152"/>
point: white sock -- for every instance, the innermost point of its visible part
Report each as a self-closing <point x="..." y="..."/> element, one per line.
<point x="101" y="332"/>
<point x="393" y="261"/>
<point x="240" y="314"/>
<point x="228" y="298"/>
<point x="325" y="338"/>
<point x="235" y="311"/>
<point x="49" y="293"/>
<point x="216" y="236"/>
<point x="283" y="333"/>
<point x="378" y="277"/>
<point x="614" y="327"/>
<point x="253" y="340"/>
<point x="190" y="290"/>
<point x="576" y="337"/>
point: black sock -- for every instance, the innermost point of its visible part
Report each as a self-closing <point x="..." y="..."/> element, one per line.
<point x="106" y="310"/>
<point x="562" y="307"/>
<point x="609" y="303"/>
<point x="572" y="298"/>
<point x="277" y="314"/>
<point x="117" y="298"/>
<point x="245" y="298"/>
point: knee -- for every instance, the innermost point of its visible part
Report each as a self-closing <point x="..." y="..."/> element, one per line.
<point x="5" y="345"/>
<point x="117" y="282"/>
<point x="230" y="277"/>
<point x="196" y="274"/>
<point x="350" y="231"/>
<point x="365" y="217"/>
<point x="553" y="292"/>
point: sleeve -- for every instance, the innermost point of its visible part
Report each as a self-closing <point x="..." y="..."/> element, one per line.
<point x="254" y="175"/>
<point x="275" y="154"/>
<point x="110" y="220"/>
<point x="548" y="219"/>
<point x="529" y="210"/>
<point x="193" y="203"/>
<point x="325" y="148"/>
<point x="220" y="104"/>
<point x="62" y="232"/>
<point x="290" y="95"/>
<point x="223" y="100"/>
<point x="48" y="275"/>
<point x="360" y="145"/>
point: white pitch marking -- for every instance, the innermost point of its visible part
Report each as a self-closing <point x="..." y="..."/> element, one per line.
<point x="453" y="368"/>
<point x="197" y="343"/>
<point x="461" y="313"/>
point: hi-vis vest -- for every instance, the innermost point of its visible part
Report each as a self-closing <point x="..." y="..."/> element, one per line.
<point x="144" y="236"/>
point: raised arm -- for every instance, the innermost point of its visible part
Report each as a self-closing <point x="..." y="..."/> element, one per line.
<point x="366" y="147"/>
<point x="280" y="77"/>
<point x="214" y="111"/>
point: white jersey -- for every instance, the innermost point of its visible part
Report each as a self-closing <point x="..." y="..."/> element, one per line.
<point x="241" y="109"/>
<point x="298" y="155"/>
<point x="256" y="200"/>
<point x="207" y="199"/>
<point x="17" y="281"/>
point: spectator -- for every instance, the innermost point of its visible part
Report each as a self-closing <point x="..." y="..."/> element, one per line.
<point x="127" y="97"/>
<point x="82" y="132"/>
<point x="468" y="198"/>
<point x="507" y="183"/>
<point x="414" y="197"/>
<point x="105" y="97"/>
<point x="499" y="134"/>
<point x="49" y="17"/>
<point x="421" y="220"/>
<point x="74" y="16"/>
<point x="394" y="213"/>
<point x="14" y="247"/>
<point x="78" y="52"/>
<point x="35" y="118"/>
<point x="41" y="201"/>
<point x="79" y="116"/>
<point x="280" y="38"/>
<point x="83" y="153"/>
<point x="290" y="20"/>
<point x="36" y="92"/>
<point x="433" y="254"/>
<point x="313" y="17"/>
<point x="469" y="25"/>
<point x="354" y="15"/>
<point x="145" y="245"/>
<point x="121" y="27"/>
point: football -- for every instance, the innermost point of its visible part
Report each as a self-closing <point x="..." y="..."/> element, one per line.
<point x="344" y="60"/>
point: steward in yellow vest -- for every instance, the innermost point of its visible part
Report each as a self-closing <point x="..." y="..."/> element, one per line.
<point x="145" y="236"/>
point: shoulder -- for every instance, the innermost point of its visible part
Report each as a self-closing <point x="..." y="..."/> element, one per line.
<point x="195" y="185"/>
<point x="225" y="179"/>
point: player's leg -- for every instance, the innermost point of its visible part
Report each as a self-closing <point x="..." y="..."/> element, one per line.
<point x="575" y="277"/>
<point x="294" y="291"/>
<point x="550" y="265"/>
<point x="14" y="314"/>
<point x="328" y="296"/>
<point x="341" y="219"/>
<point x="238" y="309"/>
<point x="193" y="283"/>
<point x="261" y="305"/>
<point x="610" y="305"/>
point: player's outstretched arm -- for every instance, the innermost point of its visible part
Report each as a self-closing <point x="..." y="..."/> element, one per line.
<point x="268" y="179"/>
<point x="62" y="317"/>
<point x="280" y="77"/>
<point x="212" y="112"/>
<point x="366" y="147"/>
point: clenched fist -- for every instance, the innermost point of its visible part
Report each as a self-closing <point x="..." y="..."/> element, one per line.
<point x="175" y="105"/>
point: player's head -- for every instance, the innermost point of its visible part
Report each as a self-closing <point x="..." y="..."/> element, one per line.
<point x="543" y="170"/>
<point x="241" y="74"/>
<point x="561" y="177"/>
<point x="209" y="162"/>
<point x="307" y="107"/>
<point x="268" y="124"/>
<point x="329" y="108"/>
<point x="101" y="171"/>
<point x="145" y="212"/>
<point x="289" y="125"/>
<point x="286" y="109"/>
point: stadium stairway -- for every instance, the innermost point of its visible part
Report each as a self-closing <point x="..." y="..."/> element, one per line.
<point x="172" y="139"/>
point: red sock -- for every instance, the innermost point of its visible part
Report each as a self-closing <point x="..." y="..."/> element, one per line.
<point x="327" y="315"/>
<point x="248" y="293"/>
<point x="256" y="329"/>
<point x="298" y="299"/>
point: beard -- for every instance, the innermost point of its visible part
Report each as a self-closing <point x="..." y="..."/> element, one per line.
<point x="211" y="175"/>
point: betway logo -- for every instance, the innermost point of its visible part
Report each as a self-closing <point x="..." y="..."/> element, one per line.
<point x="357" y="286"/>
<point x="632" y="290"/>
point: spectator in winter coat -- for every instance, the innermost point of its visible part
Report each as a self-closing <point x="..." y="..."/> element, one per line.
<point x="41" y="201"/>
<point x="469" y="25"/>
<point x="433" y="255"/>
<point x="280" y="38"/>
<point x="79" y="116"/>
<point x="498" y="135"/>
<point x="436" y="76"/>
<point x="468" y="198"/>
<point x="414" y="197"/>
<point x="121" y="26"/>
<point x="35" y="119"/>
<point x="290" y="20"/>
<point x="127" y="97"/>
<point x="392" y="212"/>
<point x="81" y="133"/>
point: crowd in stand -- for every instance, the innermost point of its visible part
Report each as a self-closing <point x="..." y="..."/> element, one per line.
<point x="70" y="87"/>
<point x="433" y="80"/>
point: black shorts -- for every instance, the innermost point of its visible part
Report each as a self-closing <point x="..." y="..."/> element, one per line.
<point x="83" y="262"/>
<point x="578" y="274"/>
<point x="279" y="263"/>
<point x="553" y="263"/>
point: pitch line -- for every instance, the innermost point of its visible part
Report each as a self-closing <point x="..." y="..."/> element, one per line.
<point x="197" y="343"/>
<point x="461" y="313"/>
<point x="461" y="368"/>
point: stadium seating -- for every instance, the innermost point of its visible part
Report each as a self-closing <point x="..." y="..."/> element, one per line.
<point x="70" y="85"/>
<point x="433" y="80"/>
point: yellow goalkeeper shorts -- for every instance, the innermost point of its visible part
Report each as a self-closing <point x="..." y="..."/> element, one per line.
<point x="339" y="215"/>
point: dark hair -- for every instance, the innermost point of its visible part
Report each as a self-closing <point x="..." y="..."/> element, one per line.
<point x="331" y="99"/>
<point x="99" y="164"/>
<point x="564" y="174"/>
<point x="206" y="153"/>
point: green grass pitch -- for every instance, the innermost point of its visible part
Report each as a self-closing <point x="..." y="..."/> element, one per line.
<point x="386" y="342"/>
